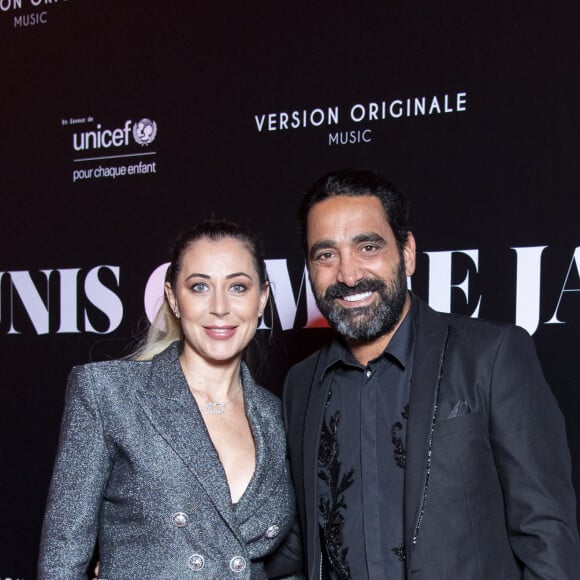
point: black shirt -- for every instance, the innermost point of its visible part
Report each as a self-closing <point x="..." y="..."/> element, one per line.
<point x="362" y="460"/>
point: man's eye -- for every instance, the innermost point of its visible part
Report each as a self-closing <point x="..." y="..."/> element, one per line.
<point x="369" y="248"/>
<point x="323" y="256"/>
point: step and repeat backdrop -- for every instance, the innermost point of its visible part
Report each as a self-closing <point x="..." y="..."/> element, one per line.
<point x="123" y="122"/>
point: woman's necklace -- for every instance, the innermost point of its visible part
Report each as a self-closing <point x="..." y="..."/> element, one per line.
<point x="217" y="408"/>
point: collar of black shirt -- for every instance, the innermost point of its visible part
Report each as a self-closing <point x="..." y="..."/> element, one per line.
<point x="399" y="349"/>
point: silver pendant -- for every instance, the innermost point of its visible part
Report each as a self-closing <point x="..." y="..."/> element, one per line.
<point x="216" y="408"/>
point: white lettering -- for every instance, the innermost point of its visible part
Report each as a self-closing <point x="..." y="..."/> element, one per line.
<point x="349" y="137"/>
<point x="357" y="113"/>
<point x="295" y="120"/>
<point x="419" y="106"/>
<point x="440" y="285"/>
<point x="126" y="130"/>
<point x="280" y="121"/>
<point x="38" y="303"/>
<point x="317" y="117"/>
<point x="113" y="172"/>
<point x="34" y="306"/>
<point x="259" y="122"/>
<point x="154" y="292"/>
<point x="6" y="5"/>
<point x="282" y="293"/>
<point x="373" y="111"/>
<point x="106" y="138"/>
<point x="142" y="168"/>
<point x="396" y="109"/>
<point x="575" y="260"/>
<point x="79" y="174"/>
<point x="30" y="19"/>
<point x="434" y="106"/>
<point x="102" y="138"/>
<point x="528" y="287"/>
<point x="284" y="300"/>
<point x="104" y="299"/>
<point x="68" y="300"/>
<point x="447" y="108"/>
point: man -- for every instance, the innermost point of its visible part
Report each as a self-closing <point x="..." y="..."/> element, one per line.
<point x="422" y="445"/>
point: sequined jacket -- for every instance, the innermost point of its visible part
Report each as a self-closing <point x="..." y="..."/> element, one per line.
<point x="488" y="490"/>
<point x="137" y="472"/>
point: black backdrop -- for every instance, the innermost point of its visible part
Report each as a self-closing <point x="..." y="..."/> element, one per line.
<point x="472" y="108"/>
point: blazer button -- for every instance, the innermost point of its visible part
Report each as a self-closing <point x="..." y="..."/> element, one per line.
<point x="196" y="562"/>
<point x="272" y="531"/>
<point x="237" y="564"/>
<point x="180" y="519"/>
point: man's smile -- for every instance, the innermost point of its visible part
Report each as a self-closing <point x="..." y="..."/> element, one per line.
<point x="357" y="297"/>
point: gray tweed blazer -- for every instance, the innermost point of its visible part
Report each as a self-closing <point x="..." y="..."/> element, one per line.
<point x="136" y="472"/>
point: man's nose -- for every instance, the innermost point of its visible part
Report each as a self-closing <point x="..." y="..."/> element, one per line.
<point x="349" y="272"/>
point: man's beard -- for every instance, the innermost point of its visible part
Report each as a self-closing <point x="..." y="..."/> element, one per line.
<point x="367" y="322"/>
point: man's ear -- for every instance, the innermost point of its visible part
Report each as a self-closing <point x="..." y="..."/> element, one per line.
<point x="409" y="252"/>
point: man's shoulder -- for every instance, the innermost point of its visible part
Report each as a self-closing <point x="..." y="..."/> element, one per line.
<point x="463" y="320"/>
<point x="306" y="366"/>
<point x="465" y="324"/>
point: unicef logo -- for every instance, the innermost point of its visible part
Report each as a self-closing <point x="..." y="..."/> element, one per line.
<point x="144" y="131"/>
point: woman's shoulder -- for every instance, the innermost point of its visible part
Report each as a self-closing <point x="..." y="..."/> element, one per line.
<point x="110" y="370"/>
<point x="266" y="396"/>
<point x="258" y="393"/>
<point x="130" y="365"/>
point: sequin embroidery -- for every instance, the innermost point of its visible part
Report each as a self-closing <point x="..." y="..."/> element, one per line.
<point x="400" y="453"/>
<point x="331" y="509"/>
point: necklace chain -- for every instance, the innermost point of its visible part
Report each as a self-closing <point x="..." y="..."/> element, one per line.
<point x="217" y="408"/>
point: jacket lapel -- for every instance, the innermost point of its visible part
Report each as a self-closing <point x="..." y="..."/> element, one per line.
<point x="430" y="347"/>
<point x="266" y="475"/>
<point x="317" y="396"/>
<point x="174" y="414"/>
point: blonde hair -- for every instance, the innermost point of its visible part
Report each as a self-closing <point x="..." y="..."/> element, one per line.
<point x="163" y="331"/>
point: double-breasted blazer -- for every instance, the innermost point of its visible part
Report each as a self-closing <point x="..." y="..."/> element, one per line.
<point x="488" y="491"/>
<point x="136" y="470"/>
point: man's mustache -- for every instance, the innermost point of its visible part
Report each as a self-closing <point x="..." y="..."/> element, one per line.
<point x="340" y="290"/>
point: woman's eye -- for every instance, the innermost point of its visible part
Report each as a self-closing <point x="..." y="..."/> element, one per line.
<point x="199" y="287"/>
<point x="239" y="288"/>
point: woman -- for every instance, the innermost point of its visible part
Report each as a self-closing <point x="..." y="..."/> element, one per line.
<point x="175" y="462"/>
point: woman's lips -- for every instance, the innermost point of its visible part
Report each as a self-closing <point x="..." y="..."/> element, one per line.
<point x="220" y="332"/>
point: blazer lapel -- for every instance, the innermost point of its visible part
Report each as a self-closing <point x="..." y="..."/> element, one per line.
<point x="430" y="347"/>
<point x="263" y="483"/>
<point x="317" y="396"/>
<point x="174" y="414"/>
